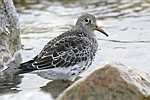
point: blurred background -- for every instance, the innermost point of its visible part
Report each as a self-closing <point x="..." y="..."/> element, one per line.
<point x="127" y="23"/>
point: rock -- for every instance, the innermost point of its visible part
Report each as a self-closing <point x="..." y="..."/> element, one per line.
<point x="110" y="81"/>
<point x="9" y="45"/>
<point x="9" y="32"/>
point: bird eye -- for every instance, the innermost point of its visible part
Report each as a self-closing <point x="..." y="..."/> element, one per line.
<point x="87" y="20"/>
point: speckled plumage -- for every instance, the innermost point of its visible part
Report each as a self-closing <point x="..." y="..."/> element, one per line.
<point x="69" y="54"/>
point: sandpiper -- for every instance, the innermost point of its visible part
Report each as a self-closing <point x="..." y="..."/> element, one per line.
<point x="69" y="54"/>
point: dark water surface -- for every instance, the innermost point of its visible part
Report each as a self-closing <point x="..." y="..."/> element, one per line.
<point x="127" y="23"/>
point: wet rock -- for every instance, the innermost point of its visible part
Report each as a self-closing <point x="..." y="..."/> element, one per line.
<point x="110" y="81"/>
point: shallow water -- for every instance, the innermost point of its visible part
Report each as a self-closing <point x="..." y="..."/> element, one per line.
<point x="127" y="23"/>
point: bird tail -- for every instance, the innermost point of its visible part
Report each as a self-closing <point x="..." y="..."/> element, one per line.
<point x="22" y="72"/>
<point x="26" y="67"/>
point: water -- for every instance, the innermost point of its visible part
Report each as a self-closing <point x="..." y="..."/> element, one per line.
<point x="127" y="23"/>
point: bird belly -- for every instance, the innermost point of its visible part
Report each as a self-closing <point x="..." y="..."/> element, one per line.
<point x="60" y="73"/>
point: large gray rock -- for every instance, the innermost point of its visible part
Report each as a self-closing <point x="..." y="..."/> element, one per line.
<point x="110" y="81"/>
<point x="9" y="32"/>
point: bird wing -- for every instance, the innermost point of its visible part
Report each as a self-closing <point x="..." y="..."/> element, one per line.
<point x="63" y="51"/>
<point x="66" y="52"/>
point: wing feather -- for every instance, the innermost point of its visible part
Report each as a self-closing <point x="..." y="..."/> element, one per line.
<point x="64" y="54"/>
<point x="64" y="51"/>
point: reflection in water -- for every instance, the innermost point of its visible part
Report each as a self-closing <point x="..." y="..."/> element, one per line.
<point x="55" y="87"/>
<point x="9" y="84"/>
<point x="9" y="81"/>
<point x="127" y="22"/>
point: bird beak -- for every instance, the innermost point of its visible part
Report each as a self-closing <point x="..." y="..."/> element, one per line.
<point x="96" y="27"/>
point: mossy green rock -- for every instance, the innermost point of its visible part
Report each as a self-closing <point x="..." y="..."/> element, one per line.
<point x="110" y="81"/>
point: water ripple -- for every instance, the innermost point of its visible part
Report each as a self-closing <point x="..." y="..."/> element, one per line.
<point x="118" y="41"/>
